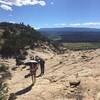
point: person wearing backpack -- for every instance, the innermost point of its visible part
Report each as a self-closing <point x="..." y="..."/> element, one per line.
<point x="41" y="61"/>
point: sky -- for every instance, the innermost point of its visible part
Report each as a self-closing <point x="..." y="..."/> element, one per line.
<point x="52" y="13"/>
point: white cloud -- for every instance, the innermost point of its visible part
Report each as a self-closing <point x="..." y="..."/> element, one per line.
<point x="92" y="23"/>
<point x="11" y="3"/>
<point x="5" y="2"/>
<point x="63" y="24"/>
<point x="11" y="21"/>
<point x="6" y="7"/>
<point x="36" y="28"/>
<point x="52" y="3"/>
<point x="28" y="2"/>
<point x="60" y="24"/>
<point x="75" y="24"/>
<point x="42" y="3"/>
<point x="86" y="24"/>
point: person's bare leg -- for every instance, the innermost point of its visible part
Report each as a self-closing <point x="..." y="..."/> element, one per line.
<point x="32" y="79"/>
<point x="35" y="76"/>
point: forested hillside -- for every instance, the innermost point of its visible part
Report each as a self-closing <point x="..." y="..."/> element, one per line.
<point x="15" y="36"/>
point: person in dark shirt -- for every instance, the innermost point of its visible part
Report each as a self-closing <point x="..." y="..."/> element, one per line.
<point x="42" y="64"/>
<point x="33" y="68"/>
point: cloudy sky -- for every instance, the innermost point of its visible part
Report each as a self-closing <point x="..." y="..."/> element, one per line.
<point x="52" y="13"/>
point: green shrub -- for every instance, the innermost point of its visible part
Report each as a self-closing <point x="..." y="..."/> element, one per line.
<point x="3" y="85"/>
<point x="3" y="68"/>
<point x="3" y="91"/>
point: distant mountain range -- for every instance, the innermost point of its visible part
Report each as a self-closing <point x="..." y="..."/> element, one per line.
<point x="70" y="34"/>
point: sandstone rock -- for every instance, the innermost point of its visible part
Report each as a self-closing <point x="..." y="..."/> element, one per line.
<point x="98" y="96"/>
<point x="73" y="81"/>
<point x="85" y="73"/>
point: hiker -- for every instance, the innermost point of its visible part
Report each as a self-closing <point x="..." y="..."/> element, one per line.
<point x="33" y="68"/>
<point x="20" y="56"/>
<point x="42" y="64"/>
<point x="19" y="60"/>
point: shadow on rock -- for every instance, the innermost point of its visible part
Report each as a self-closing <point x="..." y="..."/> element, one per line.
<point x="13" y="96"/>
